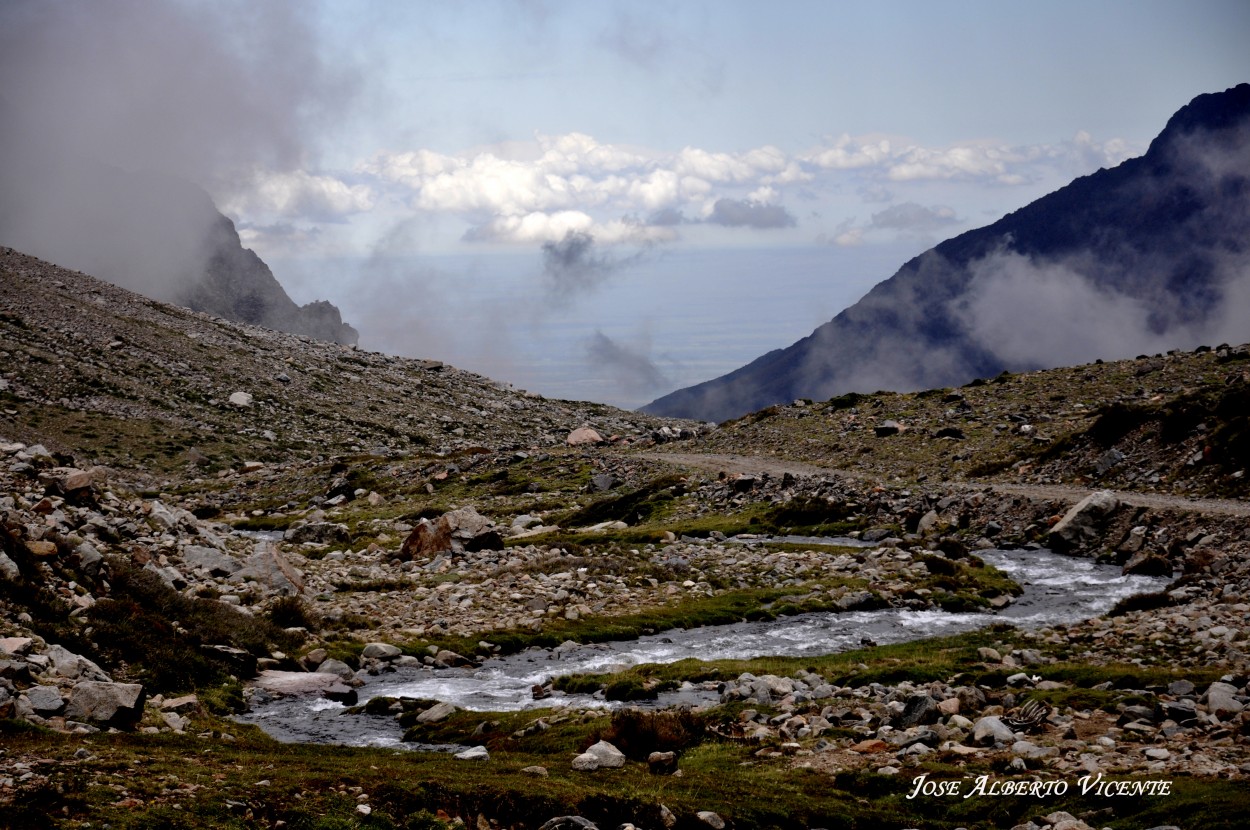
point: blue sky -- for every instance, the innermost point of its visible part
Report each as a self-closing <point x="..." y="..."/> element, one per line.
<point x="478" y="125"/>
<point x="417" y="163"/>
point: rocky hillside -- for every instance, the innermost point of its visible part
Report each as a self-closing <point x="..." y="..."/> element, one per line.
<point x="1151" y="254"/>
<point x="1171" y="423"/>
<point x="142" y="385"/>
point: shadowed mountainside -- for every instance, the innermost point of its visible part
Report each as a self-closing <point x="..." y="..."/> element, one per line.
<point x="1147" y="256"/>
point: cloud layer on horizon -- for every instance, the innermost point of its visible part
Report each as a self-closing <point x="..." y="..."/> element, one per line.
<point x="539" y="191"/>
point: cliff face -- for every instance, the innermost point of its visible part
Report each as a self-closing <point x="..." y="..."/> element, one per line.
<point x="1150" y="255"/>
<point x="156" y="235"/>
<point x="238" y="285"/>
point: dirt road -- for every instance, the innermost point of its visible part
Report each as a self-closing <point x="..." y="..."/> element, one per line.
<point x="758" y="465"/>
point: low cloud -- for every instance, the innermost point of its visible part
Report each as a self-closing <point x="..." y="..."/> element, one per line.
<point x="1033" y="314"/>
<point x="303" y="195"/>
<point x="740" y="213"/>
<point x="909" y="216"/>
<point x="574" y="266"/>
<point x="632" y="369"/>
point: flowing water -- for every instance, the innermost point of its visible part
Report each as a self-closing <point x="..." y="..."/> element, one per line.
<point x="1057" y="589"/>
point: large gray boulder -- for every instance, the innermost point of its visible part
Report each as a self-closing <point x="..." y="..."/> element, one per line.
<point x="1081" y="526"/>
<point x="211" y="560"/>
<point x="45" y="700"/>
<point x="111" y="704"/>
<point x="71" y="666"/>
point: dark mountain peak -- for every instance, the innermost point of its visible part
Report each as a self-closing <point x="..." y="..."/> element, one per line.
<point x="1221" y="114"/>
<point x="1147" y="256"/>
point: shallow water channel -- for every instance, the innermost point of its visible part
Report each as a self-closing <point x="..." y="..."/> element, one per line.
<point x="1057" y="589"/>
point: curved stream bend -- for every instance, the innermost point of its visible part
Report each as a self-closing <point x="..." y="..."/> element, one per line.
<point x="1057" y="589"/>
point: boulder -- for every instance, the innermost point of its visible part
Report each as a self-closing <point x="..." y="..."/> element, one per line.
<point x="240" y="399"/>
<point x="322" y="533"/>
<point x="1221" y="701"/>
<point x="427" y="539"/>
<point x="211" y="560"/>
<point x="1145" y="563"/>
<point x="990" y="730"/>
<point x="89" y="558"/>
<point x="74" y="667"/>
<point x="569" y="823"/>
<point x="268" y="566"/>
<point x="337" y="668"/>
<point x="112" y="704"/>
<point x="447" y="659"/>
<point x="8" y="568"/>
<point x="711" y="819"/>
<point x="887" y="428"/>
<point x="381" y="651"/>
<point x="437" y="713"/>
<point x="16" y="645"/>
<point x="919" y="709"/>
<point x="607" y="755"/>
<point x="302" y="683"/>
<point x="1080" y="526"/>
<point x="662" y="763"/>
<point x="459" y="530"/>
<point x="45" y="700"/>
<point x="582" y="436"/>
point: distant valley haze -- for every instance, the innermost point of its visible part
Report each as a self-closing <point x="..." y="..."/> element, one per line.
<point x="599" y="201"/>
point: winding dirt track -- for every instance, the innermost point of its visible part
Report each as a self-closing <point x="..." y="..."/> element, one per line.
<point x="757" y="465"/>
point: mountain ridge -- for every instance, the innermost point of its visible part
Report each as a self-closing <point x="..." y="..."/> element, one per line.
<point x="1151" y="239"/>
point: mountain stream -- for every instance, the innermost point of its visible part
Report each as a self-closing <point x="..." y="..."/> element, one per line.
<point x="1057" y="589"/>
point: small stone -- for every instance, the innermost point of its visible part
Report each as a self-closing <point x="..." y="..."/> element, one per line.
<point x="474" y="753"/>
<point x="662" y="763"/>
<point x="711" y="819"/>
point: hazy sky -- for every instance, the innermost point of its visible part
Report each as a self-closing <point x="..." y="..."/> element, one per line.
<point x="378" y="153"/>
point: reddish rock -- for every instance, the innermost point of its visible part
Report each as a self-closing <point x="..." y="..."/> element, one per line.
<point x="870" y="746"/>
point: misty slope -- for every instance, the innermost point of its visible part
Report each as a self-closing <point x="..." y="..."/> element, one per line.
<point x="149" y="386"/>
<point x="1144" y="257"/>
<point x="160" y="236"/>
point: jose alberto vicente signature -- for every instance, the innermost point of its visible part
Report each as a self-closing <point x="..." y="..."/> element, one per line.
<point x="984" y="785"/>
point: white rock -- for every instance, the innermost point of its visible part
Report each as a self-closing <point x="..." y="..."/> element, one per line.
<point x="473" y="753"/>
